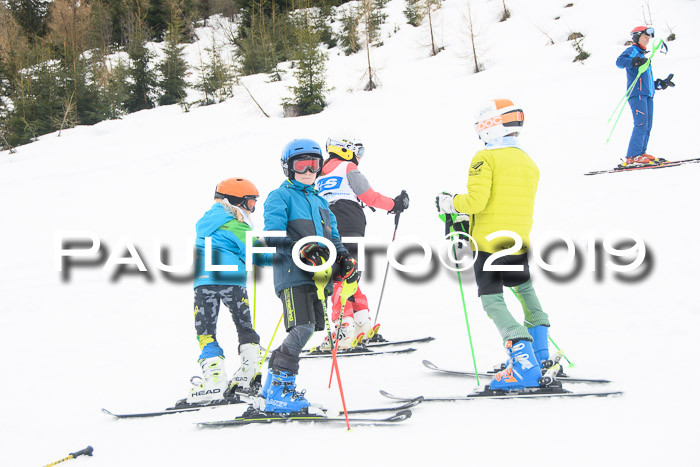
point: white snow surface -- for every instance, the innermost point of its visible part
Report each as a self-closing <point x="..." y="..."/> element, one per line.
<point x="72" y="347"/>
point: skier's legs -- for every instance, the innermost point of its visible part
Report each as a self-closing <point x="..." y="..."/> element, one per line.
<point x="337" y="304"/>
<point x="534" y="316"/>
<point x="640" y="132"/>
<point x="286" y="356"/>
<point x="508" y="327"/>
<point x="490" y="288"/>
<point x="303" y="314"/>
<point x="236" y="299"/>
<point x="650" y="121"/>
<point x="206" y="312"/>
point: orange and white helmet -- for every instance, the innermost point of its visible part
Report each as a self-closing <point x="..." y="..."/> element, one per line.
<point x="498" y="118"/>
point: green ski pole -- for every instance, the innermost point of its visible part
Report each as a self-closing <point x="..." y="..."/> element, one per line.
<point x="449" y="227"/>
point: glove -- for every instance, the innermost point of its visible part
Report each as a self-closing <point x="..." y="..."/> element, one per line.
<point x="664" y="83"/>
<point x="348" y="269"/>
<point x="314" y="254"/>
<point x="639" y="61"/>
<point x="670" y="83"/>
<point x="461" y="223"/>
<point x="400" y="203"/>
<point x="444" y="203"/>
<point x="660" y="84"/>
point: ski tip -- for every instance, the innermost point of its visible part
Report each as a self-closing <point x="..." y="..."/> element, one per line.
<point x="401" y="416"/>
<point x="108" y="412"/>
<point x="429" y="364"/>
<point x="410" y="403"/>
<point x="386" y="394"/>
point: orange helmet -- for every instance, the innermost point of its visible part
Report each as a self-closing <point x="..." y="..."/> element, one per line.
<point x="238" y="192"/>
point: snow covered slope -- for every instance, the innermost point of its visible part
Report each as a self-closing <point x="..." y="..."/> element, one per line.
<point x="71" y="347"/>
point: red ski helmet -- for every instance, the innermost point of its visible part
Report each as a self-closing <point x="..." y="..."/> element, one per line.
<point x="637" y="32"/>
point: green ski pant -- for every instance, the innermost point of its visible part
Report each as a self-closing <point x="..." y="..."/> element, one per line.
<point x="508" y="327"/>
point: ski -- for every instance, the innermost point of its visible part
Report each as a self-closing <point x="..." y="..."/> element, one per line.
<point x="419" y="340"/>
<point x="355" y="352"/>
<point x="407" y="405"/>
<point x="471" y="374"/>
<point x="635" y="168"/>
<point x="538" y="393"/>
<point x="193" y="408"/>
<point x="646" y="167"/>
<point x="179" y="407"/>
<point x="372" y="345"/>
<point x="254" y="416"/>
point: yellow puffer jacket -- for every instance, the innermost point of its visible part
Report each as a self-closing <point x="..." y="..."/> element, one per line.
<point x="501" y="196"/>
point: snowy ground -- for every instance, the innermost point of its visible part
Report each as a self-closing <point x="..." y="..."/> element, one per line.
<point x="72" y="347"/>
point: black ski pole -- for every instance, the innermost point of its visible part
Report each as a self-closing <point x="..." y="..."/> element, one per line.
<point x="386" y="271"/>
<point x="86" y="452"/>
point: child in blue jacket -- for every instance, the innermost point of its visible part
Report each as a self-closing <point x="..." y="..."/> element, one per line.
<point x="641" y="97"/>
<point x="296" y="207"/>
<point x="225" y="226"/>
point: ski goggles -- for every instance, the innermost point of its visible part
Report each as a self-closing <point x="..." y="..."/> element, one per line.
<point x="249" y="203"/>
<point x="647" y="31"/>
<point x="306" y="164"/>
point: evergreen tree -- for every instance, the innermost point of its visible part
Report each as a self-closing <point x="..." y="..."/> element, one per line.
<point x="349" y="37"/>
<point x="311" y="89"/>
<point x="264" y="37"/>
<point x="30" y="15"/>
<point x="413" y="12"/>
<point x="115" y="88"/>
<point x="173" y="67"/>
<point x="142" y="79"/>
<point x="216" y="78"/>
<point x="157" y="19"/>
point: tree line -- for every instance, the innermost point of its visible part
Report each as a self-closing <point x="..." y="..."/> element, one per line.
<point x="78" y="62"/>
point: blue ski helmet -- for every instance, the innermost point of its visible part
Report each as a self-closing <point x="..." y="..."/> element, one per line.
<point x="297" y="148"/>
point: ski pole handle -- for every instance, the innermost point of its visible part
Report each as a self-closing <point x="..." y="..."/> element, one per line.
<point x="83" y="452"/>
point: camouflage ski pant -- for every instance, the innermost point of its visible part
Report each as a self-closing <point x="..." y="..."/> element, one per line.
<point x="206" y="311"/>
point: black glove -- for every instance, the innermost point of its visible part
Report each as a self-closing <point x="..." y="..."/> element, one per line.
<point x="314" y="254"/>
<point x="670" y="83"/>
<point x="661" y="84"/>
<point x="400" y="203"/>
<point x="348" y="269"/>
<point x="639" y="61"/>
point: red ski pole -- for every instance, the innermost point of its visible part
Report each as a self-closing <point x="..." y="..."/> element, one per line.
<point x="347" y="290"/>
<point x="321" y="278"/>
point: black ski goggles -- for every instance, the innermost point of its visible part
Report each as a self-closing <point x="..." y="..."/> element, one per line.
<point x="249" y="203"/>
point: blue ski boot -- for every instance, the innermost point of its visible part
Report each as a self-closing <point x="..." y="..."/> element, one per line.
<point x="266" y="385"/>
<point x="539" y="343"/>
<point x="522" y="370"/>
<point x="281" y="395"/>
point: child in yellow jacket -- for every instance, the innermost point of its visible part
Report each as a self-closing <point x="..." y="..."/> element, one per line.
<point x="501" y="196"/>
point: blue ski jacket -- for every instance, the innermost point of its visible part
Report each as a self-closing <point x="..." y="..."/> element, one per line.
<point x="228" y="248"/>
<point x="645" y="84"/>
<point x="299" y="210"/>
